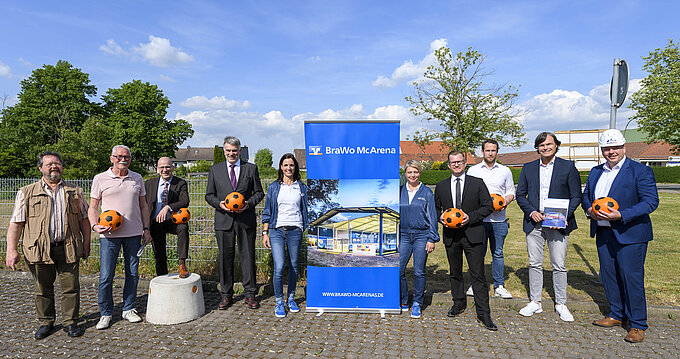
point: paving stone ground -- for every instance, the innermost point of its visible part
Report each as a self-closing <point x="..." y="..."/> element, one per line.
<point x="241" y="332"/>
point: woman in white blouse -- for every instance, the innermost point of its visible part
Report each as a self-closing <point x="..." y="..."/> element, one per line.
<point x="283" y="220"/>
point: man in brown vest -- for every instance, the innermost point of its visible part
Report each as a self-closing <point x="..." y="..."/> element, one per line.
<point x="52" y="215"/>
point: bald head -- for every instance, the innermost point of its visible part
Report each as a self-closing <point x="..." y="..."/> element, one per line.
<point x="165" y="168"/>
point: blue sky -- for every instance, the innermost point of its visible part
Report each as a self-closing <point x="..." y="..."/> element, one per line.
<point x="257" y="70"/>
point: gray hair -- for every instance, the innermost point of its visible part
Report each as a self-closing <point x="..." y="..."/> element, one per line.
<point x="113" y="150"/>
<point x="232" y="141"/>
<point x="415" y="164"/>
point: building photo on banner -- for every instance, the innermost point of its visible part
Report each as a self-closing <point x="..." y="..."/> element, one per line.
<point x="353" y="180"/>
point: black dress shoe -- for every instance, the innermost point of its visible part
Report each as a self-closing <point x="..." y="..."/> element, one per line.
<point x="252" y="302"/>
<point x="456" y="310"/>
<point x="74" y="330"/>
<point x="225" y="303"/>
<point x="487" y="322"/>
<point x="44" y="331"/>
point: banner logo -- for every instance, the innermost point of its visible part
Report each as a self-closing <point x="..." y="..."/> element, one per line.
<point x="315" y="151"/>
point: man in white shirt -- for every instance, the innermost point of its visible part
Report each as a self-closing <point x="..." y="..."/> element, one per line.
<point x="498" y="179"/>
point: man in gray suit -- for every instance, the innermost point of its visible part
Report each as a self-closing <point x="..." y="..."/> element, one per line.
<point x="235" y="227"/>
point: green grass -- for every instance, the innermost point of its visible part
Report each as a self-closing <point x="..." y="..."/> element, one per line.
<point x="662" y="266"/>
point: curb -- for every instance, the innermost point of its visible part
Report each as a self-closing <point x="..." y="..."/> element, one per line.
<point x="653" y="311"/>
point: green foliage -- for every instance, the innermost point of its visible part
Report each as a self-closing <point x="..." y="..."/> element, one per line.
<point x="657" y="103"/>
<point x="263" y="159"/>
<point x="200" y="166"/>
<point x="218" y="155"/>
<point x="55" y="113"/>
<point x="136" y="111"/>
<point x="53" y="103"/>
<point x="453" y="93"/>
<point x="667" y="174"/>
<point x="432" y="177"/>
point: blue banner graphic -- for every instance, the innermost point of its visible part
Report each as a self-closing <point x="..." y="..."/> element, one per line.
<point x="353" y="179"/>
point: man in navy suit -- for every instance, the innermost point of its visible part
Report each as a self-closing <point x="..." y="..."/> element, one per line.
<point x="554" y="178"/>
<point x="235" y="228"/>
<point x="622" y="235"/>
<point x="469" y="194"/>
<point x="164" y="195"/>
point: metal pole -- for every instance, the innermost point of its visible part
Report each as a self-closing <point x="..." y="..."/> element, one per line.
<point x="614" y="93"/>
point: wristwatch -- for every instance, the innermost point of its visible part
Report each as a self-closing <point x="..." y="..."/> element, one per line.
<point x="146" y="228"/>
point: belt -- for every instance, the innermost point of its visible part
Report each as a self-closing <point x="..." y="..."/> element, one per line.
<point x="287" y="228"/>
<point x="57" y="244"/>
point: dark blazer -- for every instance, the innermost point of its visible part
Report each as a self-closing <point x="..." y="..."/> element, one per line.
<point x="219" y="187"/>
<point x="178" y="194"/>
<point x="476" y="204"/>
<point x="634" y="188"/>
<point x="565" y="183"/>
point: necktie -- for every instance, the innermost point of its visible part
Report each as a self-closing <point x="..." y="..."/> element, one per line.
<point x="458" y="194"/>
<point x="164" y="195"/>
<point x="232" y="174"/>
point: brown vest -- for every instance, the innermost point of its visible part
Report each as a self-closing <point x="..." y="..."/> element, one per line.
<point x="36" y="241"/>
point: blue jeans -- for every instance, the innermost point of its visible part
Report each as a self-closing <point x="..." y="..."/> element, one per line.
<point x="412" y="243"/>
<point x="108" y="257"/>
<point x="496" y="232"/>
<point x="280" y="238"/>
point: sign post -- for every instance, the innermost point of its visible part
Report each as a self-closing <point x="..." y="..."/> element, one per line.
<point x="618" y="89"/>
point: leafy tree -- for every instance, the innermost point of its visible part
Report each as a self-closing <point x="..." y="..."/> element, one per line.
<point x="263" y="159"/>
<point x="320" y="194"/>
<point x="657" y="103"/>
<point x="218" y="155"/>
<point x="136" y="111"/>
<point x="453" y="92"/>
<point x="54" y="102"/>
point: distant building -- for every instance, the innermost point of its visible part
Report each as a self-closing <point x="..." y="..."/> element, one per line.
<point x="190" y="155"/>
<point x="433" y="151"/>
<point x="581" y="146"/>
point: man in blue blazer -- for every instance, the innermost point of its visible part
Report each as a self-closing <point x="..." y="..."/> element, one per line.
<point x="622" y="235"/>
<point x="235" y="228"/>
<point x="554" y="178"/>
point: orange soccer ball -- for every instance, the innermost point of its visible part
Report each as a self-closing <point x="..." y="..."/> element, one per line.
<point x="498" y="201"/>
<point x="235" y="201"/>
<point x="111" y="219"/>
<point x="181" y="216"/>
<point x="602" y="203"/>
<point x="453" y="217"/>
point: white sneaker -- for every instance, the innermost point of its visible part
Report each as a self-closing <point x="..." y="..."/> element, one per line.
<point x="104" y="322"/>
<point x="469" y="292"/>
<point x="531" y="309"/>
<point x="503" y="293"/>
<point x="131" y="316"/>
<point x="564" y="313"/>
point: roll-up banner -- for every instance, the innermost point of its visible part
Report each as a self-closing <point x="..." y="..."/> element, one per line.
<point x="353" y="180"/>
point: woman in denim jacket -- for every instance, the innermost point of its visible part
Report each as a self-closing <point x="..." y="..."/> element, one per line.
<point x="418" y="232"/>
<point x="283" y="220"/>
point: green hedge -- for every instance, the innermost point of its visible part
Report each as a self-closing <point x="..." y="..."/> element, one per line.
<point x="667" y="174"/>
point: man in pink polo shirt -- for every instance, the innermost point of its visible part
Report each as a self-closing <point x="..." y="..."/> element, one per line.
<point x="121" y="190"/>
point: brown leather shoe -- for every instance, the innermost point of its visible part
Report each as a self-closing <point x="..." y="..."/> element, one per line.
<point x="183" y="272"/>
<point x="635" y="335"/>
<point x="225" y="303"/>
<point x="252" y="302"/>
<point x="607" y="322"/>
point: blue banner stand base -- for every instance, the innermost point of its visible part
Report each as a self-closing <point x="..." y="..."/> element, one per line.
<point x="382" y="312"/>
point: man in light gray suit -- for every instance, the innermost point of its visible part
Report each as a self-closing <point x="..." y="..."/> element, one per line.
<point x="235" y="228"/>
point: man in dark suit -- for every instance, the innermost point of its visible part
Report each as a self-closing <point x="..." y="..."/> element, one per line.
<point x="164" y="195"/>
<point x="623" y="234"/>
<point x="235" y="227"/>
<point x="554" y="178"/>
<point x="469" y="194"/>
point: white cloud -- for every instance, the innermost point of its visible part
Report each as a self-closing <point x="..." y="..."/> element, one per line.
<point x="166" y="78"/>
<point x="410" y="71"/>
<point x="159" y="52"/>
<point x="27" y="63"/>
<point x="221" y="102"/>
<point x="5" y="71"/>
<point x="113" y="48"/>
